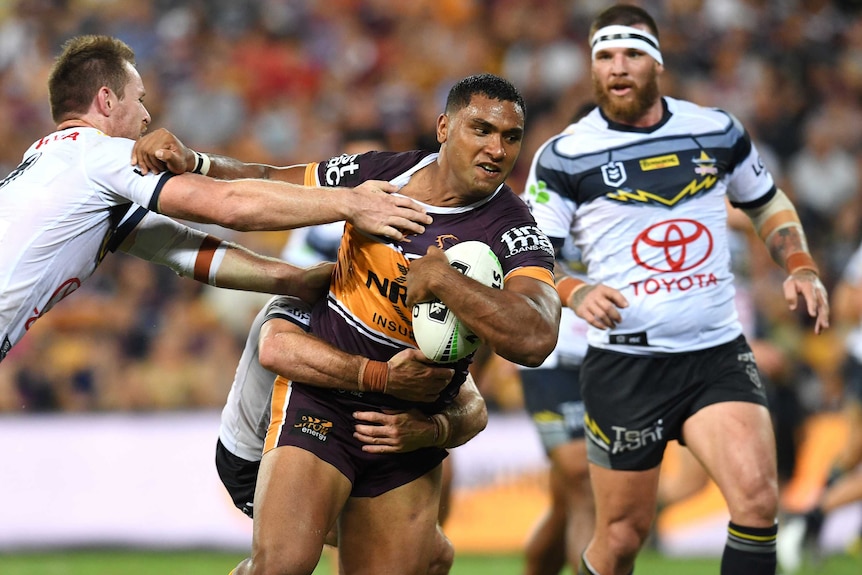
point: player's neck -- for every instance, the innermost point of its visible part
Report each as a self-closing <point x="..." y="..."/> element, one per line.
<point x="74" y="123"/>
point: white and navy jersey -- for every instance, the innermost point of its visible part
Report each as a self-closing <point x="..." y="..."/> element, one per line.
<point x="59" y="210"/>
<point x="646" y="207"/>
<point x="245" y="416"/>
<point x="313" y="244"/>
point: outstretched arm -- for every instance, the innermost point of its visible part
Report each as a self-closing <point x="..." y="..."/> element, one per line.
<point x="778" y="225"/>
<point x="241" y="200"/>
<point x="208" y="259"/>
<point x="405" y="431"/>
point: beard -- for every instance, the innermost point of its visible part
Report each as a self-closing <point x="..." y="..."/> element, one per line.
<point x="627" y="110"/>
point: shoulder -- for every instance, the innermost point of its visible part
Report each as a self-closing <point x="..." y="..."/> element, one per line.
<point x="353" y="169"/>
<point x="703" y="117"/>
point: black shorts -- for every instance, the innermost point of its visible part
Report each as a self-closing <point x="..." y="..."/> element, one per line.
<point x="239" y="477"/>
<point x="552" y="397"/>
<point x="321" y="421"/>
<point x="636" y="404"/>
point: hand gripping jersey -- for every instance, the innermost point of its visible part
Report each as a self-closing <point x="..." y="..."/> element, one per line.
<point x="646" y="208"/>
<point x="365" y="311"/>
<point x="58" y="212"/>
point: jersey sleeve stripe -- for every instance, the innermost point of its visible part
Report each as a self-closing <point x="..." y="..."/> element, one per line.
<point x="205" y="258"/>
<point x="154" y="200"/>
<point x="534" y="272"/>
<point x="311" y="174"/>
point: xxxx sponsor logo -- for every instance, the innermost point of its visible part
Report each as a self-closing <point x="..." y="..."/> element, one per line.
<point x="312" y="425"/>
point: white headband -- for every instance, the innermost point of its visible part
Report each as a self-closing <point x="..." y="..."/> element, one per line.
<point x="626" y="37"/>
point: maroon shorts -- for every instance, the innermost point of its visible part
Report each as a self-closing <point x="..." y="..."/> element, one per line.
<point x="321" y="422"/>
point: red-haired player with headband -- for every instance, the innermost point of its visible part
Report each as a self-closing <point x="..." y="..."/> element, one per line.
<point x="640" y="184"/>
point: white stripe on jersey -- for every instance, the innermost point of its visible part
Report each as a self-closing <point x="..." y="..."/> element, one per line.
<point x="647" y="210"/>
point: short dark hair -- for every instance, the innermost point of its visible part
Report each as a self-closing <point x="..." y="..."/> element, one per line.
<point x="85" y="65"/>
<point x="493" y="86"/>
<point x="624" y="15"/>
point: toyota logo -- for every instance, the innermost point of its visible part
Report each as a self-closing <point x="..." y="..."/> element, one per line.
<point x="673" y="246"/>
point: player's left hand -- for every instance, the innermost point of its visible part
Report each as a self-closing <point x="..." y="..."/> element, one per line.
<point x="314" y="282"/>
<point x="808" y="284"/>
<point x="373" y="207"/>
<point x="423" y="273"/>
<point x="160" y="150"/>
<point x="393" y="431"/>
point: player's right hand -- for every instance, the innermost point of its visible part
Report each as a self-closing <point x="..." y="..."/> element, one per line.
<point x="414" y="377"/>
<point x="160" y="150"/>
<point x="374" y="209"/>
<point x="599" y="305"/>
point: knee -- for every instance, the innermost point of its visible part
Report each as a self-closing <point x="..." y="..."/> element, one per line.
<point x="272" y="562"/>
<point x="444" y="555"/>
<point x="755" y="502"/>
<point x="625" y="538"/>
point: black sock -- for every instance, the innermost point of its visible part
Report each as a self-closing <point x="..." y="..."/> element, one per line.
<point x="749" y="550"/>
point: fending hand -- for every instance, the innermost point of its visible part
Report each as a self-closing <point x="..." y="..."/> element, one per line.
<point x="808" y="284"/>
<point x="377" y="211"/>
<point x="160" y="150"/>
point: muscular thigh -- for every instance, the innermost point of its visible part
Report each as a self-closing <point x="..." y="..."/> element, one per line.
<point x="393" y="533"/>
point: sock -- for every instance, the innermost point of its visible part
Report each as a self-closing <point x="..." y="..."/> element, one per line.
<point x="584" y="567"/>
<point x="749" y="550"/>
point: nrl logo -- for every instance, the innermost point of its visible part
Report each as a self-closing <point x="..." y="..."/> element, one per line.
<point x="614" y="174"/>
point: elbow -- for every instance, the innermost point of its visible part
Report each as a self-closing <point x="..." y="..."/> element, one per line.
<point x="534" y="352"/>
<point x="481" y="419"/>
<point x="268" y="354"/>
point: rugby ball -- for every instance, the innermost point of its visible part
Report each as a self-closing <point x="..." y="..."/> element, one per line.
<point x="439" y="334"/>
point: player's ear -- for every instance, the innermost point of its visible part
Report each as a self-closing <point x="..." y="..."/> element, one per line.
<point x="442" y="128"/>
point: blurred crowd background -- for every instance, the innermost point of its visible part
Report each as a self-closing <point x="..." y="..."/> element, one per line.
<point x="282" y="81"/>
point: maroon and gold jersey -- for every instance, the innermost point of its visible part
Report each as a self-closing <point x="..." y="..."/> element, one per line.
<point x="366" y="312"/>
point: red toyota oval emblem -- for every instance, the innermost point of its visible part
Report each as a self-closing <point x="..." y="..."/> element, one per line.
<point x="673" y="246"/>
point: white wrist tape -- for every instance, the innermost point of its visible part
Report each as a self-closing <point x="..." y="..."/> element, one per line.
<point x="202" y="163"/>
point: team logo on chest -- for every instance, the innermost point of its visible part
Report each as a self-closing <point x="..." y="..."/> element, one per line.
<point x="673" y="246"/>
<point x="614" y="174"/>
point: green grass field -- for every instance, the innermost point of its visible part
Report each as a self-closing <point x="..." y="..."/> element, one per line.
<point x="214" y="563"/>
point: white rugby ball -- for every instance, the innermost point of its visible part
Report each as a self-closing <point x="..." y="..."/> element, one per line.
<point x="439" y="334"/>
